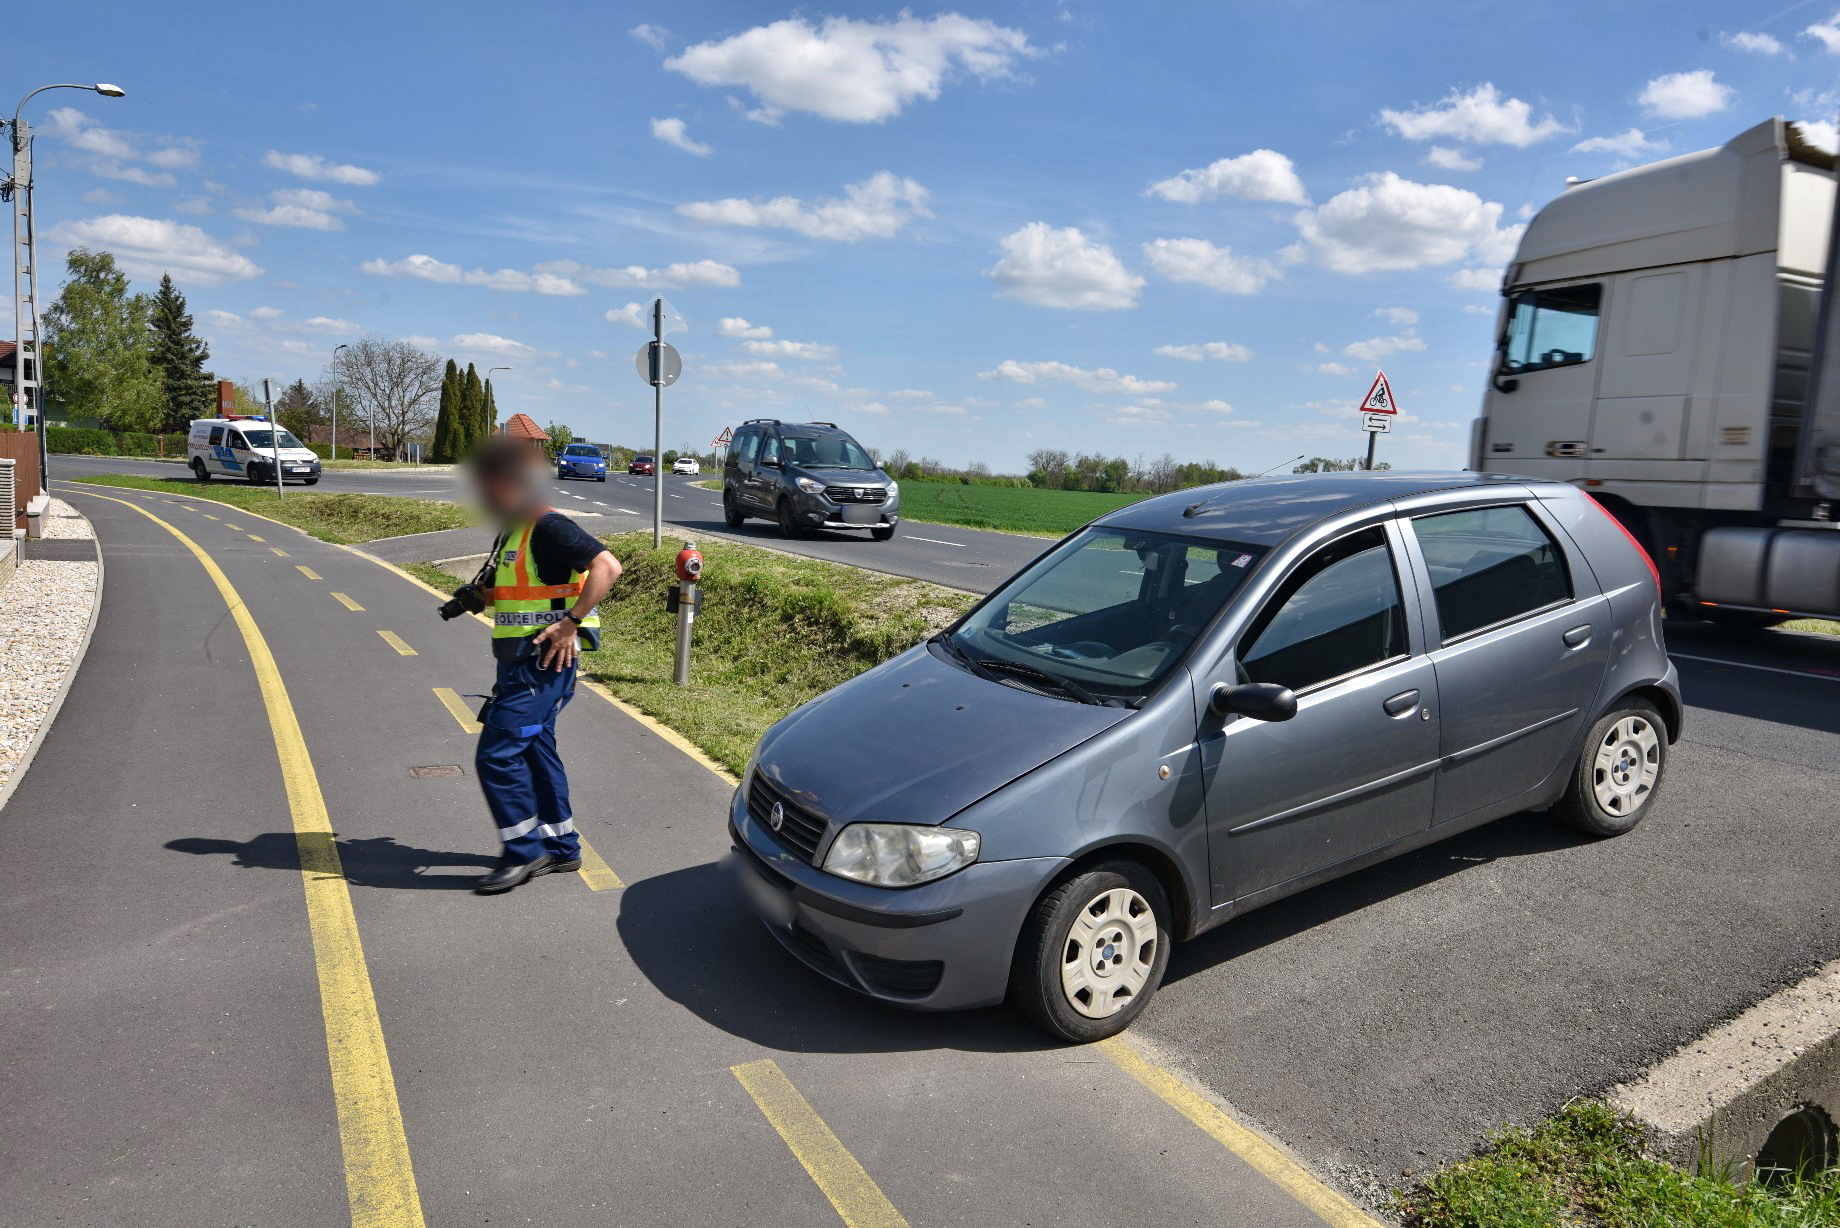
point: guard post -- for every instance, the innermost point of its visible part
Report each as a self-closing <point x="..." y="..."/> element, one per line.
<point x="683" y="600"/>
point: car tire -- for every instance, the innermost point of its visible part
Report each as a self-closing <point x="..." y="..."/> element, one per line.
<point x="252" y="475"/>
<point x="199" y="471"/>
<point x="312" y="481"/>
<point x="601" y="478"/>
<point x="788" y="526"/>
<point x="731" y="515"/>
<point x="883" y="534"/>
<point x="1092" y="952"/>
<point x="1619" y="771"/>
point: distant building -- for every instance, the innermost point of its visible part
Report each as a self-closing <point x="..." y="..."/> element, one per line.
<point x="523" y="426"/>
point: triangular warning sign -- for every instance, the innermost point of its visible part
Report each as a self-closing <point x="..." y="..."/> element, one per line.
<point x="724" y="439"/>
<point x="1379" y="399"/>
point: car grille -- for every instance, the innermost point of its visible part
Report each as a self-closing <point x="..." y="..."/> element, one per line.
<point x="801" y="829"/>
<point x="856" y="494"/>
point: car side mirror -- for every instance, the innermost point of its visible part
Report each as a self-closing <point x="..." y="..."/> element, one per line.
<point x="1261" y="701"/>
<point x="768" y="462"/>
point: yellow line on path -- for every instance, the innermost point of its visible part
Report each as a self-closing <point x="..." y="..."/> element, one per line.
<point x="859" y="1201"/>
<point x="188" y="507"/>
<point x="396" y="641"/>
<point x="208" y="516"/>
<point x="278" y="552"/>
<point x="347" y="602"/>
<point x="254" y="538"/>
<point x="306" y="571"/>
<point x="457" y="706"/>
<point x="237" y="527"/>
<point x="379" y="1178"/>
<point x="1282" y="1171"/>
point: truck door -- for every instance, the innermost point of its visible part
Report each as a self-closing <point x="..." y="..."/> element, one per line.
<point x="1548" y="344"/>
<point x="1647" y="370"/>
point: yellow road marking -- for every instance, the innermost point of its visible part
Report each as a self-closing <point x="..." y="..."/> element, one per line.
<point x="457" y="706"/>
<point x="306" y="571"/>
<point x="254" y="538"/>
<point x="278" y="552"/>
<point x="347" y="602"/>
<point x="859" y="1201"/>
<point x="237" y="527"/>
<point x="1282" y="1171"/>
<point x="208" y="516"/>
<point x="188" y="507"/>
<point x="379" y="1177"/>
<point x="396" y="641"/>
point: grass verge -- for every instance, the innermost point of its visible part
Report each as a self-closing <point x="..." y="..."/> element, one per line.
<point x="773" y="632"/>
<point x="345" y="519"/>
<point x="1585" y="1167"/>
<point x="1816" y="626"/>
<point x="1007" y="509"/>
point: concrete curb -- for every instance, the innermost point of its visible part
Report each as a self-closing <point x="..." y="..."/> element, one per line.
<point x="70" y="677"/>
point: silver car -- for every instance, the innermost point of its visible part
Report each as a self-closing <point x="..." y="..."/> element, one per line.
<point x="1198" y="705"/>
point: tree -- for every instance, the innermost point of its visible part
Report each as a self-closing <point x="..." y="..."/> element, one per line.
<point x="98" y="362"/>
<point x="470" y="417"/>
<point x="392" y="383"/>
<point x="560" y="437"/>
<point x="443" y="451"/>
<point x="179" y="356"/>
<point x="488" y="422"/>
<point x="298" y="409"/>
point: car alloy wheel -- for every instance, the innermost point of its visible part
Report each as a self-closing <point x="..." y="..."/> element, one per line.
<point x="1627" y="763"/>
<point x="1110" y="954"/>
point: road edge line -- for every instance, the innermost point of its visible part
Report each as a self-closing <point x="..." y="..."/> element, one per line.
<point x="1258" y="1152"/>
<point x="839" y="1175"/>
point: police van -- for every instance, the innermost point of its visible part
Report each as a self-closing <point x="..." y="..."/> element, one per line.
<point x="244" y="447"/>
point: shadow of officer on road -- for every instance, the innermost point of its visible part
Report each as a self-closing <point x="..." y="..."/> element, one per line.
<point x="376" y="862"/>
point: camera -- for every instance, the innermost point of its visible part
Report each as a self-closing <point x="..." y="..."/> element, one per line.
<point x="467" y="599"/>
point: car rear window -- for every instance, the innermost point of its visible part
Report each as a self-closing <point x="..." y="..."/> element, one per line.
<point x="1490" y="565"/>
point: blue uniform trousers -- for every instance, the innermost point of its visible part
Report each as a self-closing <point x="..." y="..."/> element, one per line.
<point x="519" y="767"/>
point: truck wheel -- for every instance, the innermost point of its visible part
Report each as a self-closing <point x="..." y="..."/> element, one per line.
<point x="1092" y="952"/>
<point x="199" y="471"/>
<point x="731" y="515"/>
<point x="1618" y="773"/>
<point x="788" y="526"/>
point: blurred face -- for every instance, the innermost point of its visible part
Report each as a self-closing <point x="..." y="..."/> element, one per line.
<point x="510" y="495"/>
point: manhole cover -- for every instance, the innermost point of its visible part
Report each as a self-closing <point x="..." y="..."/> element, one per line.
<point x="437" y="769"/>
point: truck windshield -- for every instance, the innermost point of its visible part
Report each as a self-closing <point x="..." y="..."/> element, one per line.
<point x="1555" y="327"/>
<point x="1103" y="618"/>
<point x="262" y="437"/>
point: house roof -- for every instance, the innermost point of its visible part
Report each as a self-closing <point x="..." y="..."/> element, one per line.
<point x="522" y="426"/>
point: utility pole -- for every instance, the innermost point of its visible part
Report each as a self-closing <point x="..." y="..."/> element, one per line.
<point x="274" y="435"/>
<point x="335" y="400"/>
<point x="657" y="423"/>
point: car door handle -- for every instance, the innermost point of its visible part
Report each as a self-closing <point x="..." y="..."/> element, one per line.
<point x="1578" y="637"/>
<point x="1401" y="703"/>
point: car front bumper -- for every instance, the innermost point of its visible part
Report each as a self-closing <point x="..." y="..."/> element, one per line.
<point x="818" y="512"/>
<point x="944" y="945"/>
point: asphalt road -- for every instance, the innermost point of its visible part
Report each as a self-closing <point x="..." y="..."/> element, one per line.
<point x="1386" y="1022"/>
<point x="187" y="1028"/>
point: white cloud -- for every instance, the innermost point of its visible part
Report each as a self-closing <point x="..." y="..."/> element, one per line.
<point x="1397" y="315"/>
<point x="193" y="204"/>
<point x="331" y="326"/>
<point x="316" y="168"/>
<point x="633" y="315"/>
<point x="423" y="341"/>
<point x="132" y="174"/>
<point x="1390" y="223"/>
<point x="300" y="208"/>
<point x="101" y="196"/>
<point x="1140" y="415"/>
<point x="671" y="276"/>
<point x="1263" y="174"/>
<point x="266" y="313"/>
<point x="809" y="350"/>
<point x="853" y="71"/>
<point x="1375" y="348"/>
<point x="652" y="36"/>
<point x="1486" y="280"/>
<point x="743" y="369"/>
<point x="1685" y="95"/>
<point x="111" y="147"/>
<point x="1215" y="406"/>
<point x="1202" y="263"/>
<point x="1827" y="33"/>
<point x="1820" y="132"/>
<point x="1762" y="44"/>
<point x="735" y="326"/>
<point x="1331" y="368"/>
<point x="1063" y="268"/>
<point x="1480" y="117"/>
<point x="491" y="343"/>
<point x="420" y="267"/>
<point x="877" y="207"/>
<point x="671" y="132"/>
<point x="1445" y="158"/>
<point x="1097" y="379"/>
<point x="148" y="247"/>
<point x="1630" y="143"/>
<point x="1225" y="351"/>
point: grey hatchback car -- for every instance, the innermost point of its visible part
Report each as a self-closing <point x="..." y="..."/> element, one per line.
<point x="1198" y="705"/>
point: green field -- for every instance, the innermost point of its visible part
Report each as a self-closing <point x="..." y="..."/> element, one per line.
<point x="1013" y="509"/>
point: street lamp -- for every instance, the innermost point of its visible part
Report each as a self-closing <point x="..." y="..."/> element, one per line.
<point x="335" y="399"/>
<point x="29" y="393"/>
<point x="489" y="371"/>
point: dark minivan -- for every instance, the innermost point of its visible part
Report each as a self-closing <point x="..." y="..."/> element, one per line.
<point x="807" y="475"/>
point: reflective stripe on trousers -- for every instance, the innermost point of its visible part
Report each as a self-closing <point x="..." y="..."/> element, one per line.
<point x="520" y="769"/>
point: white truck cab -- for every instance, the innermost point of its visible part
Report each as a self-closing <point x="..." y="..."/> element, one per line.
<point x="246" y="447"/>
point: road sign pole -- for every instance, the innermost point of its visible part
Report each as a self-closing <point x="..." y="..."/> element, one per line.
<point x="1371" y="436"/>
<point x="657" y="423"/>
<point x="274" y="434"/>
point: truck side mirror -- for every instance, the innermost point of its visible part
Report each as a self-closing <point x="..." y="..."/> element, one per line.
<point x="1260" y="701"/>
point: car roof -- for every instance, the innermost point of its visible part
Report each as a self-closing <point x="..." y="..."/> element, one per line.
<point x="1266" y="511"/>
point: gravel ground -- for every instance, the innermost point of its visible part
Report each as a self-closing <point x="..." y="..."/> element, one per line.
<point x="44" y="617"/>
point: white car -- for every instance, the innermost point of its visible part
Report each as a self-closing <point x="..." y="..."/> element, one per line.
<point x="245" y="446"/>
<point x="686" y="464"/>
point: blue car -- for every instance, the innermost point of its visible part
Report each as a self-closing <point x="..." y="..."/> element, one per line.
<point x="581" y="460"/>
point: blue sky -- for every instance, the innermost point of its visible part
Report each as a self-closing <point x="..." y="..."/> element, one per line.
<point x="967" y="231"/>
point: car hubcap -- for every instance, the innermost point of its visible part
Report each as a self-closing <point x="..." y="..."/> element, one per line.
<point x="1109" y="953"/>
<point x="1628" y="761"/>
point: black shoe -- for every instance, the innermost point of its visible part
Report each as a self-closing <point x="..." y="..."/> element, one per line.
<point x="559" y="866"/>
<point x="510" y="874"/>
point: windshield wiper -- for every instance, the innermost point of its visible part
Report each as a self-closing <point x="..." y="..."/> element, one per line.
<point x="1041" y="675"/>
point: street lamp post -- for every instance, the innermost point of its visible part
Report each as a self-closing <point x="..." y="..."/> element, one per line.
<point x="28" y="375"/>
<point x="335" y="400"/>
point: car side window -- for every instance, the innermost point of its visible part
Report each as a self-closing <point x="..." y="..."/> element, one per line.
<point x="1340" y="612"/>
<point x="217" y="436"/>
<point x="769" y="450"/>
<point x="747" y="447"/>
<point x="1490" y="565"/>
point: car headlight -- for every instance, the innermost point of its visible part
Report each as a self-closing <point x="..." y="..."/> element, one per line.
<point x="894" y="488"/>
<point x="811" y="486"/>
<point x="899" y="855"/>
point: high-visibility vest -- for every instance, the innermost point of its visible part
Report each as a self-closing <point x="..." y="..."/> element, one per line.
<point x="521" y="608"/>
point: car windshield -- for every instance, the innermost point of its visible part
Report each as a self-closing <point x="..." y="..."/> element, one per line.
<point x="642" y="460"/>
<point x="826" y="452"/>
<point x="1105" y="616"/>
<point x="580" y="449"/>
<point x="262" y="437"/>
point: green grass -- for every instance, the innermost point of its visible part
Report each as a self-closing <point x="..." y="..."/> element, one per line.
<point x="346" y="519"/>
<point x="773" y="632"/>
<point x="1817" y="626"/>
<point x="1584" y="1167"/>
<point x="1011" y="509"/>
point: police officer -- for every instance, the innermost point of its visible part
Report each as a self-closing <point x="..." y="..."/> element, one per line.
<point x="549" y="578"/>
